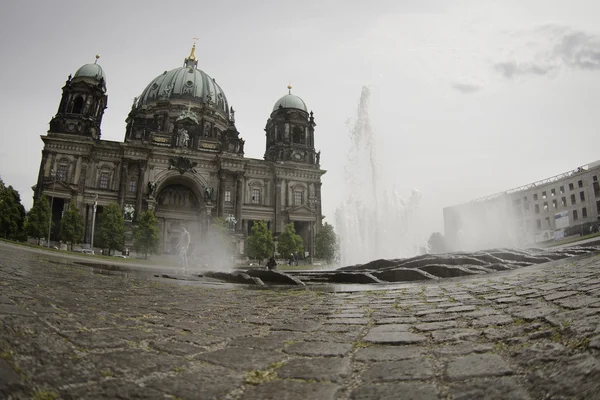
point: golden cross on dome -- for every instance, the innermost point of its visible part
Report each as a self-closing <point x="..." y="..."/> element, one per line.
<point x="97" y="57"/>
<point x="289" y="88"/>
<point x="195" y="40"/>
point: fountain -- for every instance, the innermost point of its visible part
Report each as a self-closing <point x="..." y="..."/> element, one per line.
<point x="374" y="221"/>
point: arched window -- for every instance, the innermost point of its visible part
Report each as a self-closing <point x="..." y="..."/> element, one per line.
<point x="78" y="105"/>
<point x="298" y="135"/>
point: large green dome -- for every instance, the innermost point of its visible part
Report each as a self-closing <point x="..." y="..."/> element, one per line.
<point x="186" y="82"/>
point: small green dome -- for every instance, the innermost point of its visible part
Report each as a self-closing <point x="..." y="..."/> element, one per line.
<point x="91" y="71"/>
<point x="290" y="101"/>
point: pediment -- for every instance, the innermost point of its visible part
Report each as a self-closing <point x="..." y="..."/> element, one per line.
<point x="301" y="213"/>
<point x="59" y="187"/>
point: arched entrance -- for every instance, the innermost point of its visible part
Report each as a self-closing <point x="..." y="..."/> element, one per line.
<point x="179" y="205"/>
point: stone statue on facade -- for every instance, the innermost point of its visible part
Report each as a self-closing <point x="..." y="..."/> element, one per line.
<point x="184" y="138"/>
<point x="318" y="157"/>
<point x="128" y="212"/>
<point x="151" y="187"/>
<point x="208" y="192"/>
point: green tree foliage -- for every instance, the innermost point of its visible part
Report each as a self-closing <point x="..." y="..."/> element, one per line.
<point x="437" y="243"/>
<point x="289" y="241"/>
<point x="71" y="225"/>
<point x="112" y="227"/>
<point x="12" y="213"/>
<point x="260" y="241"/>
<point x="146" y="234"/>
<point x="38" y="218"/>
<point x="326" y="243"/>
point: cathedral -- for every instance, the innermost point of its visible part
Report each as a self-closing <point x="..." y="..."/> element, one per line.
<point x="182" y="157"/>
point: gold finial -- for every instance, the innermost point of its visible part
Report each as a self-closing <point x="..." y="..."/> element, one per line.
<point x="192" y="56"/>
<point x="97" y="57"/>
<point x="289" y="88"/>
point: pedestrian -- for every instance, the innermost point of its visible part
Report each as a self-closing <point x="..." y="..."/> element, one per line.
<point x="271" y="264"/>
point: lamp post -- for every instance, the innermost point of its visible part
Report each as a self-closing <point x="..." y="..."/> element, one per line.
<point x="312" y="204"/>
<point x="53" y="176"/>
<point x="93" y="221"/>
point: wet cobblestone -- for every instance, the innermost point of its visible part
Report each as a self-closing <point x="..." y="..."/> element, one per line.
<point x="68" y="332"/>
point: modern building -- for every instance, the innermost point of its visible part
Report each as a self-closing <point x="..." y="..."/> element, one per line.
<point x="182" y="157"/>
<point x="563" y="205"/>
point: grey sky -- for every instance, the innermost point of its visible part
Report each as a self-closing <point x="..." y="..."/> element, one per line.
<point x="469" y="97"/>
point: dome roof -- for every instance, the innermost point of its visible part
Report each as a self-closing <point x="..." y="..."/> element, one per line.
<point x="185" y="82"/>
<point x="91" y="70"/>
<point x="290" y="101"/>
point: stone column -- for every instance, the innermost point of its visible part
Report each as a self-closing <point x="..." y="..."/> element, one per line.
<point x="221" y="205"/>
<point x="40" y="181"/>
<point x="239" y="198"/>
<point x="278" y="208"/>
<point x="123" y="185"/>
<point x="140" y="189"/>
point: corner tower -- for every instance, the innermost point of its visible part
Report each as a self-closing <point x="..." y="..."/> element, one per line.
<point x="290" y="132"/>
<point x="82" y="104"/>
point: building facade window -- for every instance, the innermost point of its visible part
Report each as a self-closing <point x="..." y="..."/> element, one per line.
<point x="539" y="224"/>
<point x="61" y="172"/>
<point x="554" y="203"/>
<point x="255" y="196"/>
<point x="553" y="192"/>
<point x="103" y="184"/>
<point x="562" y="190"/>
<point x="535" y="197"/>
<point x="227" y="196"/>
<point x="132" y="185"/>
<point x="575" y="217"/>
<point x="584" y="212"/>
<point x="537" y="208"/>
<point x="598" y="206"/>
<point x="525" y="198"/>
<point x="547" y="222"/>
<point x="545" y="206"/>
<point x="543" y="195"/>
<point x="298" y="198"/>
<point x="582" y="196"/>
<point x="572" y="199"/>
<point x="563" y="201"/>
<point x="580" y="184"/>
<point x="571" y="187"/>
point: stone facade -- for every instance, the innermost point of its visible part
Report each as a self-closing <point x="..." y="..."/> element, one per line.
<point x="182" y="157"/>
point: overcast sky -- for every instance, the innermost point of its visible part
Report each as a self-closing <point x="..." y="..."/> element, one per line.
<point x="468" y="97"/>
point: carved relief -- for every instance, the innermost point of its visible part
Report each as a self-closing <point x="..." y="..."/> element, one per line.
<point x="177" y="195"/>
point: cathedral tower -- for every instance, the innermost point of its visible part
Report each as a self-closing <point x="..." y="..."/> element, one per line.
<point x="83" y="103"/>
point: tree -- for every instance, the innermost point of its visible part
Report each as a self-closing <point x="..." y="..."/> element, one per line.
<point x="12" y="213"/>
<point x="71" y="225"/>
<point x="38" y="218"/>
<point x="326" y="243"/>
<point x="146" y="234"/>
<point x="112" y="227"/>
<point x="437" y="243"/>
<point x="289" y="241"/>
<point x="260" y="241"/>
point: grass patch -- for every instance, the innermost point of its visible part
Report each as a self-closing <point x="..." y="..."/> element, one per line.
<point x="257" y="377"/>
<point x="178" y="369"/>
<point x="107" y="373"/>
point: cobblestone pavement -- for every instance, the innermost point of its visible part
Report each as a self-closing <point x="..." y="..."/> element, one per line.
<point x="66" y="332"/>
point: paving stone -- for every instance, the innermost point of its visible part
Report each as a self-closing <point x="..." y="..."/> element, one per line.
<point x="176" y="348"/>
<point x="112" y="389"/>
<point x="9" y="379"/>
<point x="430" y="311"/>
<point x="396" y="320"/>
<point x="559" y="295"/>
<point x="476" y="365"/>
<point x="440" y="317"/>
<point x="318" y="349"/>
<point x="204" y="381"/>
<point x="387" y="353"/>
<point x="490" y="389"/>
<point x="401" y="370"/>
<point x="578" y="301"/>
<point x="242" y="358"/>
<point x="492" y="320"/>
<point x="461" y="308"/>
<point x="348" y="321"/>
<point x="574" y="377"/>
<point x="271" y="342"/>
<point x="540" y="353"/>
<point x="512" y="299"/>
<point x="291" y="390"/>
<point x="448" y="335"/>
<point x="334" y="369"/>
<point x="396" y="334"/>
<point x="435" y="326"/>
<point x="305" y="326"/>
<point x="530" y="313"/>
<point x="392" y="391"/>
<point x="462" y="349"/>
<point x="482" y="312"/>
